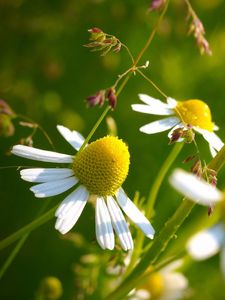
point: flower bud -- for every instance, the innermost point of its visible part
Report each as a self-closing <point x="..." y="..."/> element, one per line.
<point x="97" y="34"/>
<point x="97" y="99"/>
<point x="112" y="97"/>
<point x="6" y="126"/>
<point x="50" y="289"/>
<point x="176" y="135"/>
<point x="197" y="168"/>
<point x="188" y="136"/>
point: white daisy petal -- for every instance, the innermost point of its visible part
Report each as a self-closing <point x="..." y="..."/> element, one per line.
<point x="153" y="110"/>
<point x="194" y="188"/>
<point x="74" y="138"/>
<point x="212" y="151"/>
<point x="160" y="125"/>
<point x="41" y="155"/>
<point x="70" y="209"/>
<point x="213" y="140"/>
<point x="172" y="103"/>
<point x="103" y="226"/>
<point x="72" y="202"/>
<point x="134" y="214"/>
<point x="45" y="174"/>
<point x="215" y="128"/>
<point x="152" y="101"/>
<point x="119" y="224"/>
<point x="53" y="188"/>
<point x="206" y="243"/>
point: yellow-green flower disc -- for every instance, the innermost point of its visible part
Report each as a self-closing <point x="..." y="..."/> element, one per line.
<point x="103" y="165"/>
<point x="154" y="284"/>
<point x="196" y="113"/>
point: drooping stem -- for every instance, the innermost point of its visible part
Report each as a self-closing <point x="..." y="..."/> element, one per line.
<point x="13" y="254"/>
<point x="20" y="244"/>
<point x="28" y="228"/>
<point x="151" y="201"/>
<point x="25" y="118"/>
<point x="152" y="83"/>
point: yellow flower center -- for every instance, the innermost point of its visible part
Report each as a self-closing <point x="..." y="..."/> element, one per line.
<point x="103" y="165"/>
<point x="154" y="284"/>
<point x="196" y="113"/>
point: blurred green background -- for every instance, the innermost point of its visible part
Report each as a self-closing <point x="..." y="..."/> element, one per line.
<point x="46" y="73"/>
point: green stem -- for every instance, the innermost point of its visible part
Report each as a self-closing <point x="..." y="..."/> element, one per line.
<point x="13" y="254"/>
<point x="152" y="34"/>
<point x="94" y="128"/>
<point x="159" y="244"/>
<point x="25" y="118"/>
<point x="151" y="201"/>
<point x="160" y="177"/>
<point x="107" y="109"/>
<point x="20" y="244"/>
<point x="28" y="228"/>
<point x="218" y="161"/>
<point x="152" y="83"/>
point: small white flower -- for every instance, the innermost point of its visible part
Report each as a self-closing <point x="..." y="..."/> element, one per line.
<point x="167" y="284"/>
<point x="99" y="170"/>
<point x="208" y="243"/>
<point x="194" y="113"/>
<point x="195" y="188"/>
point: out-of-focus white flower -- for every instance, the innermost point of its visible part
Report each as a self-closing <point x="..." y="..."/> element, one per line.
<point x="167" y="284"/>
<point x="195" y="188"/>
<point x="208" y="243"/>
<point x="183" y="116"/>
<point x="99" y="170"/>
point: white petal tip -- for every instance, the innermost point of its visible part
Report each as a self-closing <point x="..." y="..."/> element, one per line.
<point x="150" y="236"/>
<point x="143" y="130"/>
<point x="194" y="188"/>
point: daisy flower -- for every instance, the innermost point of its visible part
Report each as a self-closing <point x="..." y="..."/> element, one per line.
<point x="208" y="243"/>
<point x="195" y="188"/>
<point x="98" y="170"/>
<point x="166" y="284"/>
<point x="182" y="116"/>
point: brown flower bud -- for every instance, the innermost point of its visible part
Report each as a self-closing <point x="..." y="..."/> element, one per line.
<point x="112" y="97"/>
<point x="210" y="210"/>
<point x="97" y="99"/>
<point x="176" y="135"/>
<point x="197" y="168"/>
<point x="189" y="158"/>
